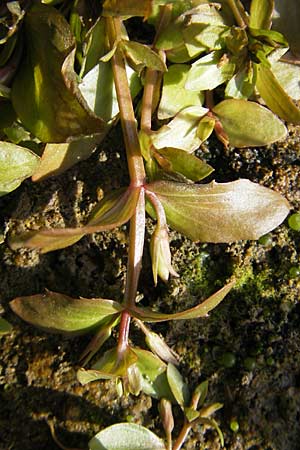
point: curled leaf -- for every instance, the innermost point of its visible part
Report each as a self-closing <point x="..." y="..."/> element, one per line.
<point x="220" y="212"/>
<point x="59" y="313"/>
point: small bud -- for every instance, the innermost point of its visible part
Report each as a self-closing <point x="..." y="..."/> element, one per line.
<point x="161" y="255"/>
<point x="160" y="348"/>
<point x="134" y="378"/>
<point x="166" y="415"/>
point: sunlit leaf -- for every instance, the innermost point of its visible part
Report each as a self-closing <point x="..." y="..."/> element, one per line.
<point x="16" y="164"/>
<point x="175" y="96"/>
<point x="221" y="212"/>
<point x="114" y="210"/>
<point x="141" y="56"/>
<point x="197" y="311"/>
<point x="160" y="348"/>
<point x="179" y="161"/>
<point x="269" y="37"/>
<point x="97" y="87"/>
<point x="209" y="72"/>
<point x="205" y="127"/>
<point x="127" y="8"/>
<point x="241" y="85"/>
<point x="286" y="19"/>
<point x="202" y="35"/>
<point x="58" y="158"/>
<point x="181" y="132"/>
<point x="45" y="93"/>
<point x="59" y="313"/>
<point x="178" y="387"/>
<point x="275" y="96"/>
<point x="126" y="436"/>
<point x="263" y="127"/>
<point x="5" y="327"/>
<point x="288" y="75"/>
<point x="261" y="13"/>
<point x="113" y="364"/>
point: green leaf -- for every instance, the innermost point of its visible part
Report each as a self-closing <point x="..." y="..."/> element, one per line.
<point x="57" y="158"/>
<point x="202" y="35"/>
<point x="178" y="387"/>
<point x="175" y="96"/>
<point x="270" y="37"/>
<point x="45" y="93"/>
<point x="126" y="436"/>
<point x="201" y="310"/>
<point x="241" y="85"/>
<point x="275" y="97"/>
<point x="16" y="164"/>
<point x="140" y="56"/>
<point x="288" y="75"/>
<point x="186" y="121"/>
<point x="173" y="160"/>
<point x="209" y="72"/>
<point x="113" y="364"/>
<point x="98" y="89"/>
<point x="261" y="13"/>
<point x="114" y="210"/>
<point x="59" y="313"/>
<point x="12" y="22"/>
<point x="205" y="127"/>
<point x="221" y="212"/>
<point x="94" y="47"/>
<point x="263" y="127"/>
<point x="5" y="327"/>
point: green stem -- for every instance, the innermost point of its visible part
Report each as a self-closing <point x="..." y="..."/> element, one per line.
<point x="240" y="20"/>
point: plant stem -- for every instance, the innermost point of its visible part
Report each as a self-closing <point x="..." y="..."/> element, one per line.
<point x="240" y="20"/>
<point x="152" y="76"/>
<point x="137" y="178"/>
<point x="182" y="435"/>
<point x="127" y="117"/>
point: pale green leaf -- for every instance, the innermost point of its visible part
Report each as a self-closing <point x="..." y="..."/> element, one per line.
<point x="288" y="75"/>
<point x="263" y="127"/>
<point x="113" y="364"/>
<point x="241" y="85"/>
<point x="45" y="93"/>
<point x="221" y="212"/>
<point x="175" y="96"/>
<point x="181" y="132"/>
<point x="126" y="436"/>
<point x="5" y="327"/>
<point x="261" y="13"/>
<point x="98" y="89"/>
<point x="197" y="311"/>
<point x="16" y="164"/>
<point x="202" y="35"/>
<point x="275" y="97"/>
<point x="59" y="313"/>
<point x="209" y="72"/>
<point x="141" y="56"/>
<point x="178" y="387"/>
